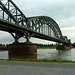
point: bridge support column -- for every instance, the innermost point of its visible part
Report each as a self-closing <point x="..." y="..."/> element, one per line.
<point x="23" y="50"/>
<point x="63" y="47"/>
<point x="16" y="36"/>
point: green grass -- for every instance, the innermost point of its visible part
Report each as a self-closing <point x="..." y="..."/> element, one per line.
<point x="46" y="47"/>
<point x="40" y="60"/>
<point x="73" y="47"/>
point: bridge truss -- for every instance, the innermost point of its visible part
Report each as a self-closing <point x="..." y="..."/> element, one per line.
<point x="15" y="22"/>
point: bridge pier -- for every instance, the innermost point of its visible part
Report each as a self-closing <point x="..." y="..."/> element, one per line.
<point x="63" y="47"/>
<point x="22" y="50"/>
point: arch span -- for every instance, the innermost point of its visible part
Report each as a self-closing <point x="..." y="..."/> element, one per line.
<point x="44" y="25"/>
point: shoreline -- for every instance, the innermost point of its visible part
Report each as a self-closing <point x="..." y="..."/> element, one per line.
<point x="46" y="47"/>
<point x="38" y="60"/>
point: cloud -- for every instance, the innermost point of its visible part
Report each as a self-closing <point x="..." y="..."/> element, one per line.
<point x="5" y="37"/>
<point x="41" y="41"/>
<point x="69" y="32"/>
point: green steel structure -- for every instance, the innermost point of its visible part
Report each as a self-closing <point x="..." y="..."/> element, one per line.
<point x="12" y="20"/>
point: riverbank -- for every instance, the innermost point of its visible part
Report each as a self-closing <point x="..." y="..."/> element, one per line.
<point x="39" y="60"/>
<point x="49" y="47"/>
<point x="46" y="47"/>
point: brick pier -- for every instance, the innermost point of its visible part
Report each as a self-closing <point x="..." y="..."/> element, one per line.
<point x="23" y="50"/>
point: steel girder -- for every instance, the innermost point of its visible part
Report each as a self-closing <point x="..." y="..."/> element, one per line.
<point x="11" y="11"/>
<point x="37" y="23"/>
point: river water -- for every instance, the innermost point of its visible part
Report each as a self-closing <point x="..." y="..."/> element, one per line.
<point x="48" y="54"/>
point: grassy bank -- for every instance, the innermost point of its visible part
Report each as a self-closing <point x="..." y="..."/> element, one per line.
<point x="46" y="47"/>
<point x="73" y="47"/>
<point x="39" y="60"/>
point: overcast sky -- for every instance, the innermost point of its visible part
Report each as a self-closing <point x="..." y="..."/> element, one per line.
<point x="62" y="11"/>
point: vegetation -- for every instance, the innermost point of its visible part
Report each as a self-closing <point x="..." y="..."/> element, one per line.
<point x="46" y="47"/>
<point x="40" y="60"/>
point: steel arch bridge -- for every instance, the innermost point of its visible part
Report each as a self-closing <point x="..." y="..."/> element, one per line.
<point x="18" y="25"/>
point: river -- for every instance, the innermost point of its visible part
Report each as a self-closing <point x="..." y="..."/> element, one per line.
<point x="48" y="54"/>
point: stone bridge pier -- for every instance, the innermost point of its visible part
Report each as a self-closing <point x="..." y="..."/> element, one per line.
<point x="63" y="47"/>
<point x="23" y="50"/>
